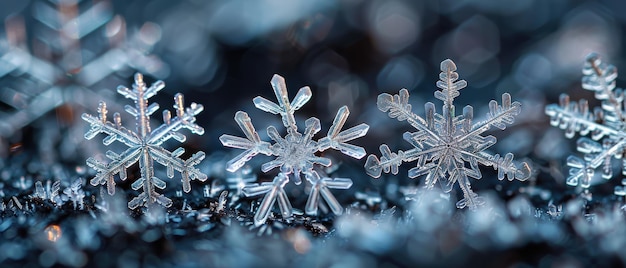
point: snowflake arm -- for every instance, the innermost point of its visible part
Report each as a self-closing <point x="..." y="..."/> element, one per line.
<point x="338" y="139"/>
<point x="499" y="116"/>
<point x="185" y="118"/>
<point x="321" y="187"/>
<point x="186" y="168"/>
<point x="252" y="144"/>
<point x="284" y="107"/>
<point x="273" y="191"/>
<point x="118" y="165"/>
<point x="115" y="131"/>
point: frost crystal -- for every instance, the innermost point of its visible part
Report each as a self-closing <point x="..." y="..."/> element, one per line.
<point x="295" y="153"/>
<point x="75" y="193"/>
<point x="444" y="144"/>
<point x="145" y="144"/>
<point x="605" y="123"/>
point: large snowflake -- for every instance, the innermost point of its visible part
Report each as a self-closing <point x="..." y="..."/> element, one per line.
<point x="145" y="145"/>
<point x="445" y="144"/>
<point x="296" y="153"/>
<point x="605" y="125"/>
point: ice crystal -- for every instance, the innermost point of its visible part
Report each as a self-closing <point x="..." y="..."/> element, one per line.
<point x="50" y="192"/>
<point x="75" y="193"/>
<point x="445" y="144"/>
<point x="145" y="145"/>
<point x="602" y="131"/>
<point x="295" y="153"/>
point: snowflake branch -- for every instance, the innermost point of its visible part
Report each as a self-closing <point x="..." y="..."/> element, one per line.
<point x="397" y="106"/>
<point x="173" y="162"/>
<point x="284" y="108"/>
<point x="115" y="131"/>
<point x="185" y="118"/>
<point x="252" y="143"/>
<point x="322" y="186"/>
<point x="499" y="116"/>
<point x="504" y="165"/>
<point x="448" y="83"/>
<point x="576" y="117"/>
<point x="273" y="191"/>
<point x="106" y="172"/>
<point x="338" y="139"/>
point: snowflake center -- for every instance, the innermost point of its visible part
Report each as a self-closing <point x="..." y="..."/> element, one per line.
<point x="296" y="151"/>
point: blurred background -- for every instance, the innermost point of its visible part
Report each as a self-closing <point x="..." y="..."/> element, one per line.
<point x="61" y="57"/>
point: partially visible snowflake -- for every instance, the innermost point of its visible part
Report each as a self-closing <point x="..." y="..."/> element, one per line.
<point x="605" y="124"/>
<point x="145" y="145"/>
<point x="444" y="144"/>
<point x="66" y="57"/>
<point x="295" y="153"/>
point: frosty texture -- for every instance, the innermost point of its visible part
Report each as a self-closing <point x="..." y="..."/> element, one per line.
<point x="444" y="144"/>
<point x="602" y="130"/>
<point x="144" y="145"/>
<point x="295" y="154"/>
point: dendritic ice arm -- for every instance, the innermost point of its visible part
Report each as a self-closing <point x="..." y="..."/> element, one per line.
<point x="115" y="131"/>
<point x="185" y="118"/>
<point x="338" y="139"/>
<point x="273" y="191"/>
<point x="118" y="165"/>
<point x="321" y="187"/>
<point x="252" y="144"/>
<point x="605" y="122"/>
<point x="284" y="107"/>
<point x="397" y="106"/>
<point x="186" y="168"/>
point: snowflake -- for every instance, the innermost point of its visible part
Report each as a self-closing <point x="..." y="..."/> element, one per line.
<point x="295" y="153"/>
<point x="444" y="143"/>
<point x="64" y="62"/>
<point x="145" y="144"/>
<point x="605" y="123"/>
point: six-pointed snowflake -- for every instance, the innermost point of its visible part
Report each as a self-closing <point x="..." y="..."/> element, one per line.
<point x="606" y="123"/>
<point x="295" y="153"/>
<point x="444" y="144"/>
<point x="145" y="145"/>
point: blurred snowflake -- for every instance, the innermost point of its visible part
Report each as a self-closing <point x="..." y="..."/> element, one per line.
<point x="444" y="143"/>
<point x="295" y="153"/>
<point x="75" y="46"/>
<point x="145" y="144"/>
<point x="606" y="123"/>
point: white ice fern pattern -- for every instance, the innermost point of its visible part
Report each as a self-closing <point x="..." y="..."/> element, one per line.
<point x="144" y="145"/>
<point x="295" y="153"/>
<point x="445" y="144"/>
<point x="602" y="131"/>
